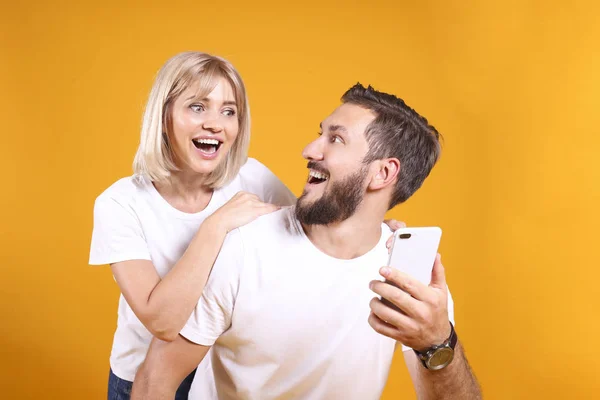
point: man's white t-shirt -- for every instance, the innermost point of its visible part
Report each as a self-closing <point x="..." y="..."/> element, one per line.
<point x="287" y="321"/>
<point x="132" y="221"/>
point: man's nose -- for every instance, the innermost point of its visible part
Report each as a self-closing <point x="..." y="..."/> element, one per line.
<point x="313" y="151"/>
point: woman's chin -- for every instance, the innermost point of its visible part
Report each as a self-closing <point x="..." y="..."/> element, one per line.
<point x="197" y="162"/>
<point x="204" y="166"/>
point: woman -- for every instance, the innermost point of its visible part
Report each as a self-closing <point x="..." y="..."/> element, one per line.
<point x="161" y="229"/>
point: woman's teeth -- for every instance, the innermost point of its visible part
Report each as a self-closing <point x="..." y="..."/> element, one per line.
<point x="208" y="146"/>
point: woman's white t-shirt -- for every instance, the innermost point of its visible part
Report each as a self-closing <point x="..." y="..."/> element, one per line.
<point x="132" y="221"/>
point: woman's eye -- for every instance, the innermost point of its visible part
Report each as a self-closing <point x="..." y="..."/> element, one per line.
<point x="229" y="112"/>
<point x="197" y="107"/>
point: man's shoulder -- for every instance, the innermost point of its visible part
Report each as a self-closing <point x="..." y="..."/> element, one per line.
<point x="272" y="226"/>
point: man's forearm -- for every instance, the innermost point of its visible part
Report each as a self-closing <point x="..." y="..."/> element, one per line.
<point x="146" y="386"/>
<point x="454" y="382"/>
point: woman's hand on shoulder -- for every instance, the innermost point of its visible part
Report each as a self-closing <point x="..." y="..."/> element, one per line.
<point x="240" y="210"/>
<point x="394" y="226"/>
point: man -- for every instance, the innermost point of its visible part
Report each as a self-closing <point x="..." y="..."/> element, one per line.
<point x="289" y="308"/>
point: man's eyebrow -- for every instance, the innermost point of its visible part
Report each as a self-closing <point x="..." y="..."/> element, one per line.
<point x="334" y="128"/>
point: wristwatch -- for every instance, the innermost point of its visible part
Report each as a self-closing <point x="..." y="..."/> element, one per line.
<point x="439" y="356"/>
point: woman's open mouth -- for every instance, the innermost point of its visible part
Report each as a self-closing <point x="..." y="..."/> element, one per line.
<point x="207" y="146"/>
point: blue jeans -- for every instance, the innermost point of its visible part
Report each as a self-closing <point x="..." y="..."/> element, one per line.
<point x="120" y="389"/>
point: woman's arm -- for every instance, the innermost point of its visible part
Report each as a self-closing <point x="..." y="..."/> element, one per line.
<point x="164" y="306"/>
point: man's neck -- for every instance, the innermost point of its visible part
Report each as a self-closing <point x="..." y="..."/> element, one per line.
<point x="350" y="238"/>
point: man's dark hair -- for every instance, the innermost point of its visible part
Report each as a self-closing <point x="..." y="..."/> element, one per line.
<point x="399" y="132"/>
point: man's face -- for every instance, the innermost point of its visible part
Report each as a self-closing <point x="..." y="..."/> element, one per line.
<point x="337" y="178"/>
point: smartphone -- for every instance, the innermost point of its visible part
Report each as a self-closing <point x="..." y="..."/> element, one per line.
<point x="414" y="250"/>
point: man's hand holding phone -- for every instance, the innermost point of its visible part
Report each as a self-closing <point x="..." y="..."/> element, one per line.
<point x="421" y="320"/>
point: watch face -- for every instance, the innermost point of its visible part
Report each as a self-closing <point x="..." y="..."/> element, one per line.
<point x="440" y="358"/>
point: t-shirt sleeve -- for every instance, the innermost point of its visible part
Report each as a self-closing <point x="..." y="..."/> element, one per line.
<point x="259" y="179"/>
<point x="117" y="234"/>
<point x="450" y="316"/>
<point x="213" y="313"/>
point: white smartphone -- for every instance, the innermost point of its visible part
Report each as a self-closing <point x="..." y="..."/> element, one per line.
<point x="414" y="250"/>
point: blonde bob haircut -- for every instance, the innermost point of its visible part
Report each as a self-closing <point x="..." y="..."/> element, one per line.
<point x="154" y="159"/>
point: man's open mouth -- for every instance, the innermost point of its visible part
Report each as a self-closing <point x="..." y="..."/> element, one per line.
<point x="315" y="177"/>
<point x="208" y="146"/>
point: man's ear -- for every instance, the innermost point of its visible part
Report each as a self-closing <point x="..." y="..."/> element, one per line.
<point x="386" y="173"/>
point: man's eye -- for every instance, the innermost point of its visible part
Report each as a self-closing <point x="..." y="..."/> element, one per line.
<point x="336" y="139"/>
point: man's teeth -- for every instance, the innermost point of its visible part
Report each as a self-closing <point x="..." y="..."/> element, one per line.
<point x="213" y="142"/>
<point x="318" y="175"/>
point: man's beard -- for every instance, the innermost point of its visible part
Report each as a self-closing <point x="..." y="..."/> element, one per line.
<point x="336" y="204"/>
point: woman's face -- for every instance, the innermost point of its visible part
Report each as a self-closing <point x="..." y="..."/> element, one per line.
<point x="203" y="130"/>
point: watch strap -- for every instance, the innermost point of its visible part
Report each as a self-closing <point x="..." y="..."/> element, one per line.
<point x="424" y="356"/>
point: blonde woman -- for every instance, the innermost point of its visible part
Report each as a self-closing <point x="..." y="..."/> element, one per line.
<point x="161" y="229"/>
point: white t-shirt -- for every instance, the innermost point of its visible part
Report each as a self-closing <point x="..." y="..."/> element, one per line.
<point x="132" y="221"/>
<point x="287" y="321"/>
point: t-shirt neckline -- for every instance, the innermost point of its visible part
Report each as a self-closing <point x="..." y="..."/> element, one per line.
<point x="208" y="210"/>
<point x="357" y="260"/>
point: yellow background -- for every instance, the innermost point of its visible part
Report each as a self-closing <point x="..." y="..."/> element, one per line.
<point x="513" y="86"/>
